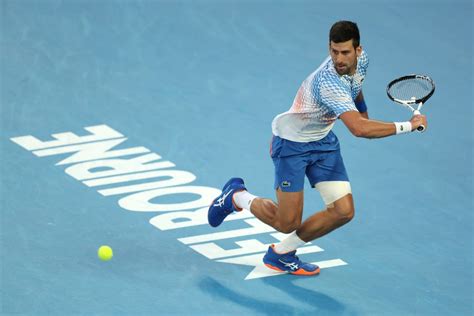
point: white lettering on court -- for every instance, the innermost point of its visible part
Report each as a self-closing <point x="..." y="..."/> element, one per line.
<point x="96" y="163"/>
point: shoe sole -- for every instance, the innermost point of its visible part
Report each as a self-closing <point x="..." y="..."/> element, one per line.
<point x="297" y="272"/>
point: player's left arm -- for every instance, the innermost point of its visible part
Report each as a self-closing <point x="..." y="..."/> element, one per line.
<point x="360" y="105"/>
<point x="367" y="128"/>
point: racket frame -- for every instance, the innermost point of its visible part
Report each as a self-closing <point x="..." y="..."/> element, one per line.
<point x="413" y="101"/>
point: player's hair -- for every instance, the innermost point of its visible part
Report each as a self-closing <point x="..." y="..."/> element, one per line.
<point x="343" y="31"/>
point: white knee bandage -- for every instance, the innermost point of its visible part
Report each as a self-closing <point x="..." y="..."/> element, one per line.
<point x="332" y="191"/>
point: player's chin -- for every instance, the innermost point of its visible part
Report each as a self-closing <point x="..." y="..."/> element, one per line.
<point x="343" y="70"/>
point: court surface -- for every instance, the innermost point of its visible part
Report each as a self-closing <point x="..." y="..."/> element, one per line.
<point x="192" y="86"/>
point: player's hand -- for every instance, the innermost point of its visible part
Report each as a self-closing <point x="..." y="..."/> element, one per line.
<point x="418" y="120"/>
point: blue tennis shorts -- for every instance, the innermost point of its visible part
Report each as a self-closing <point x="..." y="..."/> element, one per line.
<point x="319" y="161"/>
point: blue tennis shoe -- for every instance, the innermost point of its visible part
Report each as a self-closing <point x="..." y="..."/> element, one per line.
<point x="288" y="262"/>
<point x="223" y="205"/>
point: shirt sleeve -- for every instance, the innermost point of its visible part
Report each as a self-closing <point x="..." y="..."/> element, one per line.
<point x="336" y="97"/>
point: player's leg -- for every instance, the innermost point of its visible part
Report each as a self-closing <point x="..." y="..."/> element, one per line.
<point x="336" y="214"/>
<point x="285" y="216"/>
<point x="328" y="175"/>
<point x="340" y="209"/>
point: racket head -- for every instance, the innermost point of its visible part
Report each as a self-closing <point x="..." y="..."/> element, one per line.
<point x="411" y="89"/>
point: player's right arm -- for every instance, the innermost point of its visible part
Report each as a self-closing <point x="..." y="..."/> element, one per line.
<point x="367" y="128"/>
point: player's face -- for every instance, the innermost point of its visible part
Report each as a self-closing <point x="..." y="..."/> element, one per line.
<point x="344" y="56"/>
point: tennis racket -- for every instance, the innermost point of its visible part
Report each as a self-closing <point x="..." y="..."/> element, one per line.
<point x="411" y="91"/>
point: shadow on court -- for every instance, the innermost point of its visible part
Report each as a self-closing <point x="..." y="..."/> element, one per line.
<point x="318" y="302"/>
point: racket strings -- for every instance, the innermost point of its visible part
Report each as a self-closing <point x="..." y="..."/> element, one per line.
<point x="409" y="89"/>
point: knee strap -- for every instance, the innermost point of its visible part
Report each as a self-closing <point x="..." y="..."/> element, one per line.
<point x="331" y="191"/>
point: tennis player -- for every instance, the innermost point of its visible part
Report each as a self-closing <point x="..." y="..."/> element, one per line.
<point x="304" y="145"/>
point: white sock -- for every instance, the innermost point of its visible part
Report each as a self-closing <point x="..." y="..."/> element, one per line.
<point x="290" y="243"/>
<point x="243" y="199"/>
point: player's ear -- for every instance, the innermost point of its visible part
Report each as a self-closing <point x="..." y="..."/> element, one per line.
<point x="359" y="50"/>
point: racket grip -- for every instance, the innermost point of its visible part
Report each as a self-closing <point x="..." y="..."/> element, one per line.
<point x="420" y="128"/>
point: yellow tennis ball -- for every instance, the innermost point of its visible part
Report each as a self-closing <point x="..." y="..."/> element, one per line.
<point x="105" y="253"/>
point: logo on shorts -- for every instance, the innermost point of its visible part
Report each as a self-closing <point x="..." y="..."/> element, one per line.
<point x="286" y="184"/>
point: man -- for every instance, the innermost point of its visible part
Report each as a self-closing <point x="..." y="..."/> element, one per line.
<point x="303" y="144"/>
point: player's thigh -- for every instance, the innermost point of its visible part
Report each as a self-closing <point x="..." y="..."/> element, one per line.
<point x="289" y="186"/>
<point x="289" y="173"/>
<point x="290" y="168"/>
<point x="334" y="192"/>
<point x="328" y="175"/>
<point x="325" y="167"/>
<point x="337" y="195"/>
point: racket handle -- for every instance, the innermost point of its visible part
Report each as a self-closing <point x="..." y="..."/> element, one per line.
<point x="420" y="128"/>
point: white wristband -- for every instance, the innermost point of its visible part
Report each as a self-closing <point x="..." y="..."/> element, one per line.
<point x="402" y="127"/>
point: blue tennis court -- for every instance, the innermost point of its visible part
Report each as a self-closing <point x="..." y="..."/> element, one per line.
<point x="121" y="120"/>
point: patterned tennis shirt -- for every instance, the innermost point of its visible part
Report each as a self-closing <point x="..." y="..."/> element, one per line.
<point x="322" y="97"/>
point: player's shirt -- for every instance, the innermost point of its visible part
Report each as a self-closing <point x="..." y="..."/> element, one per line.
<point x="322" y="97"/>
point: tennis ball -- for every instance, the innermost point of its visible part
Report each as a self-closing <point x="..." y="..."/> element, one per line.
<point x="105" y="253"/>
